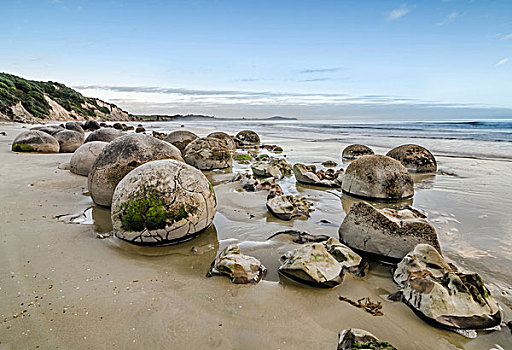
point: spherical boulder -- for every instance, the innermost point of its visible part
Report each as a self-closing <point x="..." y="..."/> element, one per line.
<point x="247" y="138"/>
<point x="120" y="157"/>
<point x="91" y="125"/>
<point x="81" y="161"/>
<point x="181" y="139"/>
<point x="230" y="143"/>
<point x="76" y="126"/>
<point x="208" y="153"/>
<point x="378" y="177"/>
<point x="355" y="151"/>
<point x="69" y="140"/>
<point x="414" y="158"/>
<point x="35" y="141"/>
<point x="104" y="134"/>
<point x="49" y="129"/>
<point x="162" y="202"/>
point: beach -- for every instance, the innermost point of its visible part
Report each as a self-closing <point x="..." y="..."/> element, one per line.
<point x="65" y="287"/>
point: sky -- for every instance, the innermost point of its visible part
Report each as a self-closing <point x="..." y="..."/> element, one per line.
<point x="435" y="59"/>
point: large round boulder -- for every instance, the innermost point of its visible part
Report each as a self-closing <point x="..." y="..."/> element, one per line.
<point x="247" y="138"/>
<point x="35" y="141"/>
<point x="49" y="129"/>
<point x="207" y="154"/>
<point x="104" y="134"/>
<point x="69" y="140"/>
<point x="181" y="139"/>
<point x="378" y="177"/>
<point x="91" y="125"/>
<point x="81" y="161"/>
<point x="76" y="126"/>
<point x="122" y="156"/>
<point x="230" y="143"/>
<point x="355" y="151"/>
<point x="414" y="158"/>
<point x="162" y="202"/>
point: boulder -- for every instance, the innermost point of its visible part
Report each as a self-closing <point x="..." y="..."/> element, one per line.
<point x="140" y="129"/>
<point x="162" y="202"/>
<point x="414" y="158"/>
<point x="207" y="154"/>
<point x="50" y="129"/>
<point x="353" y="338"/>
<point x="289" y="207"/>
<point x="242" y="269"/>
<point x="181" y="139"/>
<point x="118" y="126"/>
<point x="307" y="174"/>
<point x="82" y="159"/>
<point x="91" y="125"/>
<point x="247" y="138"/>
<point x="69" y="140"/>
<point x="121" y="156"/>
<point x="355" y="151"/>
<point x="378" y="177"/>
<point x="75" y="126"/>
<point x="263" y="169"/>
<point x="230" y="143"/>
<point x="273" y="148"/>
<point x="35" y="141"/>
<point x="386" y="234"/>
<point x="329" y="164"/>
<point x="252" y="184"/>
<point x="438" y="292"/>
<point x="104" y="134"/>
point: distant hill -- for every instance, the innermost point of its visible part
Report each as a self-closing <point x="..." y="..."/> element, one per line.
<point x="31" y="101"/>
<point x="277" y="117"/>
<point x="199" y="117"/>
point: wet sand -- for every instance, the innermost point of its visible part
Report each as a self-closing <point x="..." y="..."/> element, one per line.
<point x="63" y="287"/>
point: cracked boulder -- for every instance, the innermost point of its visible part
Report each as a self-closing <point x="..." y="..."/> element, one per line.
<point x="180" y="139"/>
<point x="69" y="140"/>
<point x="355" y="151"/>
<point x="353" y="338"/>
<point x="289" y="207"/>
<point x="242" y="269"/>
<point x="120" y="157"/>
<point x="207" y="154"/>
<point x="386" y="234"/>
<point x="162" y="202"/>
<point x="378" y="177"/>
<point x="414" y="158"/>
<point x="247" y="139"/>
<point x="307" y="174"/>
<point x="230" y="143"/>
<point x="82" y="159"/>
<point x="104" y="134"/>
<point x="442" y="294"/>
<point x="35" y="141"/>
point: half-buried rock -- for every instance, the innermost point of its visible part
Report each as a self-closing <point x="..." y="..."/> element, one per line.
<point x="355" y="151"/>
<point x="35" y="141"/>
<point x="240" y="268"/>
<point x="207" y="154"/>
<point x="289" y="207"/>
<point x="353" y="338"/>
<point x="247" y="139"/>
<point x="69" y="140"/>
<point x="230" y="143"/>
<point x="82" y="159"/>
<point x="414" y="158"/>
<point x="307" y="174"/>
<point x="162" y="202"/>
<point x="386" y="234"/>
<point x="379" y="178"/>
<point x="104" y="134"/>
<point x="121" y="156"/>
<point x="442" y="295"/>
<point x="181" y="139"/>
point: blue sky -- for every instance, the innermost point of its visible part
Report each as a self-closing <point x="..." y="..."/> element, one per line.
<point x="312" y="59"/>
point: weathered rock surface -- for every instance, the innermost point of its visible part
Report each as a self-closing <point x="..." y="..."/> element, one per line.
<point x="355" y="151"/>
<point x="289" y="207"/>
<point x="329" y="164"/>
<point x="378" y="177"/>
<point x="181" y="139"/>
<point x="247" y="138"/>
<point x="91" y="125"/>
<point x="230" y="143"/>
<point x="208" y="153"/>
<point x="49" y="129"/>
<point x="162" y="202"/>
<point x="353" y="338"/>
<point x="386" y="234"/>
<point x="307" y="174"/>
<point x="414" y="158"/>
<point x="140" y="129"/>
<point x="35" y="141"/>
<point x="264" y="169"/>
<point x="75" y="126"/>
<point x="104" y="134"/>
<point x="443" y="295"/>
<point x="119" y="157"/>
<point x="69" y="140"/>
<point x="273" y="148"/>
<point x="82" y="159"/>
<point x="240" y="268"/>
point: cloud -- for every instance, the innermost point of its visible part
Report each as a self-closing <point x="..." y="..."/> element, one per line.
<point x="314" y="79"/>
<point x="399" y="12"/>
<point x="450" y="18"/>
<point x="321" y="70"/>
<point x="506" y="37"/>
<point x="501" y="62"/>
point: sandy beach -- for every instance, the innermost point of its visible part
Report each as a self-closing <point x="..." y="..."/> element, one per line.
<point x="64" y="287"/>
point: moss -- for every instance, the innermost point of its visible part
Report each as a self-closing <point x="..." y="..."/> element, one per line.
<point x="262" y="156"/>
<point x="212" y="191"/>
<point x="242" y="156"/>
<point x="18" y="147"/>
<point x="374" y="345"/>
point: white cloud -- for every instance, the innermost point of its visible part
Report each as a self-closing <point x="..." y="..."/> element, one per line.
<point x="450" y="18"/>
<point x="506" y="37"/>
<point x="502" y="61"/>
<point x="399" y="12"/>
